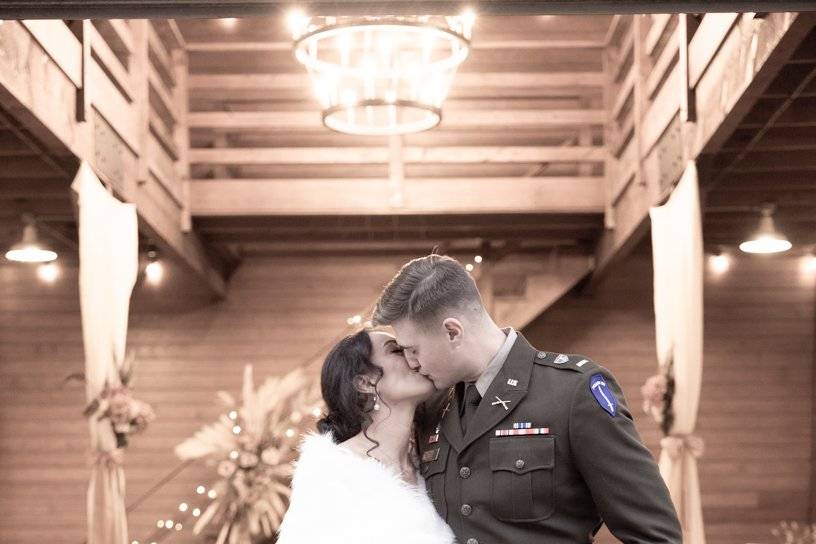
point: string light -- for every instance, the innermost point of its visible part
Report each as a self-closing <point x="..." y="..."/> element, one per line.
<point x="720" y="263"/>
<point x="354" y="320"/>
<point x="184" y="507"/>
<point x="809" y="263"/>
<point x="154" y="271"/>
<point x="48" y="272"/>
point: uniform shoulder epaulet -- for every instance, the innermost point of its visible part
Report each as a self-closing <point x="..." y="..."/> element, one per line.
<point x="570" y="361"/>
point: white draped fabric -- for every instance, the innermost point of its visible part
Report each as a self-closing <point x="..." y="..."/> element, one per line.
<point x="677" y="247"/>
<point x="108" y="265"/>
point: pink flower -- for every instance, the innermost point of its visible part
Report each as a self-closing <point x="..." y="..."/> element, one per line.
<point x="141" y="414"/>
<point x="119" y="409"/>
<point x="654" y="390"/>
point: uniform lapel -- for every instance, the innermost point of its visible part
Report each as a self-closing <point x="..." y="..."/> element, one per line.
<point x="510" y="386"/>
<point x="450" y="425"/>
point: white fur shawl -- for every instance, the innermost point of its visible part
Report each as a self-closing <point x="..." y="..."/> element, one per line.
<point x="339" y="497"/>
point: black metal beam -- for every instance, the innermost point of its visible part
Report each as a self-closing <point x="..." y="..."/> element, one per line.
<point x="115" y="9"/>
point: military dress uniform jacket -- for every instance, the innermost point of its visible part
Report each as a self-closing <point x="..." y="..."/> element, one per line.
<point x="550" y="454"/>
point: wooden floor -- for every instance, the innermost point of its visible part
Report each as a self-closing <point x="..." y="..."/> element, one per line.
<point x="755" y="409"/>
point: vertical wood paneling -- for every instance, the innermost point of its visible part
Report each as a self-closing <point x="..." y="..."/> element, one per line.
<point x="757" y="396"/>
<point x="278" y="315"/>
<point x="755" y="410"/>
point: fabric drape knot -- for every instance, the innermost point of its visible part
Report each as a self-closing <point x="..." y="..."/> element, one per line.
<point x="677" y="444"/>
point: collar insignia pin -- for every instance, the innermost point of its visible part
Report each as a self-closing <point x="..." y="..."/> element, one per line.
<point x="504" y="403"/>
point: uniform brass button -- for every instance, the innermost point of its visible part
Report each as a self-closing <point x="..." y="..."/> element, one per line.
<point x="472" y="541"/>
<point x="520" y="464"/>
<point x="466" y="510"/>
<point x="541" y="355"/>
<point x="464" y="472"/>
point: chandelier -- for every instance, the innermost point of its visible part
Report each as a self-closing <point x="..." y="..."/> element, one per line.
<point x="381" y="75"/>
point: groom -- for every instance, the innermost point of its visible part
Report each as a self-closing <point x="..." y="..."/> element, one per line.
<point x="529" y="446"/>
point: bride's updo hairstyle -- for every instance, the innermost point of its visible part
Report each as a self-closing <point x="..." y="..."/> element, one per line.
<point x="348" y="408"/>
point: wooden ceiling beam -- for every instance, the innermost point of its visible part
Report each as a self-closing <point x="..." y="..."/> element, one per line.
<point x="726" y="90"/>
<point x="508" y="120"/>
<point x="113" y="9"/>
<point x="442" y="233"/>
<point x="383" y="222"/>
<point x="477" y="44"/>
<point x="420" y="196"/>
<point x="381" y="155"/>
<point x="29" y="99"/>
<point x="463" y="249"/>
<point x="492" y="80"/>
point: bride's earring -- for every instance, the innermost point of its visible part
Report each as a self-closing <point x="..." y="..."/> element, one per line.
<point x="376" y="402"/>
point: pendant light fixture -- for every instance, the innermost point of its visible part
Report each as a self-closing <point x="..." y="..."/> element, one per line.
<point x="384" y="75"/>
<point x="30" y="249"/>
<point x="766" y="239"/>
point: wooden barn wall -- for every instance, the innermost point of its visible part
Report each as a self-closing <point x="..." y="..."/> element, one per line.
<point x="755" y="409"/>
<point x="757" y="396"/>
<point x="277" y="316"/>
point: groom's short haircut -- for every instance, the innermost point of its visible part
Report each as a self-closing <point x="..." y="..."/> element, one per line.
<point x="426" y="288"/>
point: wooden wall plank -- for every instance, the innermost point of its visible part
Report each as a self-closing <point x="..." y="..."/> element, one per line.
<point x="748" y="478"/>
<point x="758" y="346"/>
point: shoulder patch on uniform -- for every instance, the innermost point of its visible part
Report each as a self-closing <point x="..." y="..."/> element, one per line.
<point x="600" y="390"/>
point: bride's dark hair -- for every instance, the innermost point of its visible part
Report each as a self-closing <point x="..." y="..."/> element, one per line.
<point x="348" y="408"/>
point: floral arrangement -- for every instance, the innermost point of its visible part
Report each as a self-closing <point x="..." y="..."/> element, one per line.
<point x="658" y="393"/>
<point x="795" y="533"/>
<point x="127" y="414"/>
<point x="252" y="448"/>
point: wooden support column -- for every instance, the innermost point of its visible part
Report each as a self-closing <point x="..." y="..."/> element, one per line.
<point x="181" y="134"/>
<point x="688" y="110"/>
<point x="637" y="95"/>
<point x="486" y="284"/>
<point x="812" y="492"/>
<point x="140" y="72"/>
<point x="83" y="110"/>
<point x="396" y="171"/>
<point x="610" y="160"/>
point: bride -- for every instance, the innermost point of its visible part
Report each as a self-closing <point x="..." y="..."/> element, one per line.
<point x="356" y="481"/>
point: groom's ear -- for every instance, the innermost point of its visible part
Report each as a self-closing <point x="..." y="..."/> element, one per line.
<point x="453" y="329"/>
